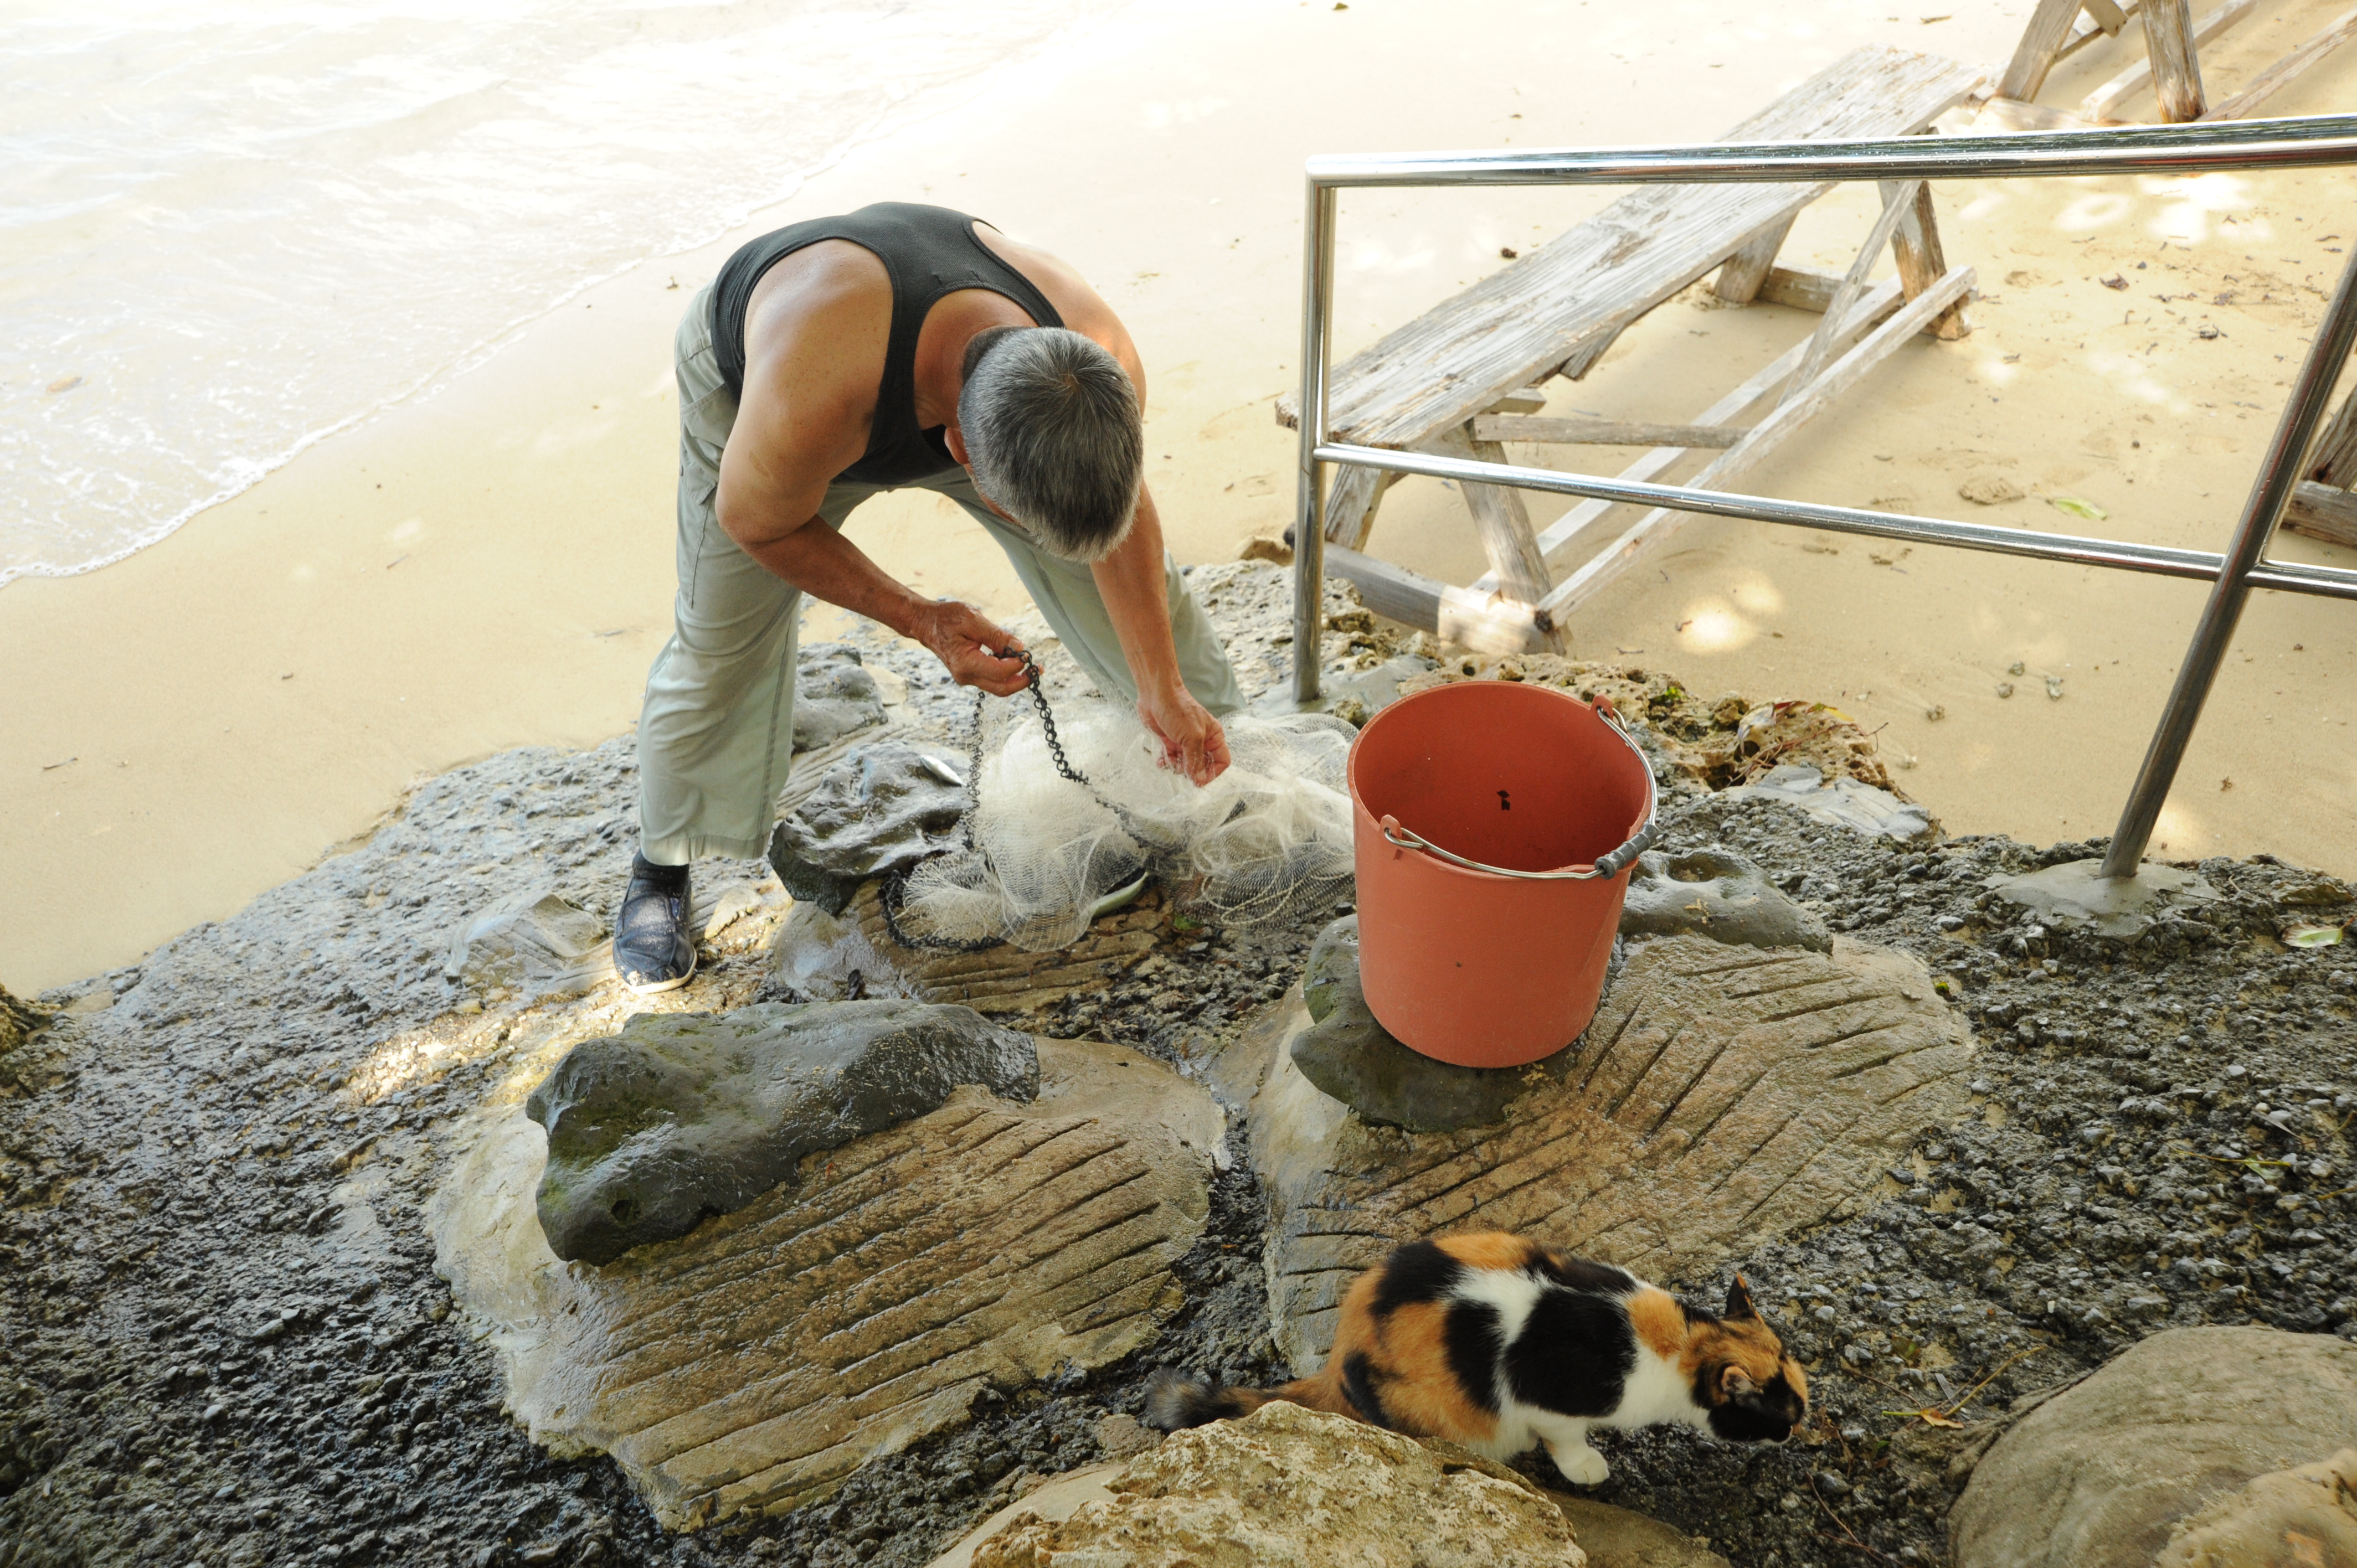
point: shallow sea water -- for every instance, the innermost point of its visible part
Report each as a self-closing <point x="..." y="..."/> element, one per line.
<point x="226" y="232"/>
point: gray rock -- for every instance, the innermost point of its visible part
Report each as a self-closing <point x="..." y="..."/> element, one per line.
<point x="834" y="694"/>
<point x="1120" y="1437"/>
<point x="1844" y="802"/>
<point x="536" y="944"/>
<point x="2312" y="1511"/>
<point x="18" y="1021"/>
<point x="1718" y="895"/>
<point x="1617" y="1538"/>
<point x="1291" y="1488"/>
<point x="683" y="1116"/>
<point x="817" y="955"/>
<point x="1354" y="698"/>
<point x="1348" y="1055"/>
<point x="2095" y="1476"/>
<point x="882" y="809"/>
<point x="2076" y="892"/>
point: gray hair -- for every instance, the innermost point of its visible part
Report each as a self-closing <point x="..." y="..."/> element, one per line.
<point x="1053" y="435"/>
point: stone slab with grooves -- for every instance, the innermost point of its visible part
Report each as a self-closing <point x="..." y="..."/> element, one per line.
<point x="2095" y="1476"/>
<point x="752" y="1365"/>
<point x="1724" y="1095"/>
<point x="831" y="958"/>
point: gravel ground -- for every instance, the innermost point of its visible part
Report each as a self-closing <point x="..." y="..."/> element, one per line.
<point x="221" y="1340"/>
<point x="2160" y="1141"/>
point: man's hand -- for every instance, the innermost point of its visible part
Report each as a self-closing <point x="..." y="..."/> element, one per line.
<point x="1192" y="740"/>
<point x="974" y="652"/>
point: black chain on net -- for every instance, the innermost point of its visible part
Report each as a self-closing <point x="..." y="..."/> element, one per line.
<point x="895" y="886"/>
<point x="1047" y="723"/>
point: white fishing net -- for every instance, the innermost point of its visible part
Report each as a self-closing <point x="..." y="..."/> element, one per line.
<point x="1269" y="836"/>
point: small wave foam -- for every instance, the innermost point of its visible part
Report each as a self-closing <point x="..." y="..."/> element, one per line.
<point x="224" y="236"/>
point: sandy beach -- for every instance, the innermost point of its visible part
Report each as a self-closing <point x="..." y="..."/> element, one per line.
<point x="491" y="566"/>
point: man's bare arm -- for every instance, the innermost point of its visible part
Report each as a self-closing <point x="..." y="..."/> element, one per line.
<point x="826" y="565"/>
<point x="797" y="427"/>
<point x="1137" y="599"/>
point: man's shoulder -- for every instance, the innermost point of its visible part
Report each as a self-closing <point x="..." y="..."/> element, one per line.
<point x="818" y="308"/>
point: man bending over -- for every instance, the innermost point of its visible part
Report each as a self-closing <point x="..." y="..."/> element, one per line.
<point x="898" y="347"/>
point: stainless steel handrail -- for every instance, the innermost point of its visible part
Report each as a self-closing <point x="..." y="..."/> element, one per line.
<point x="2315" y="141"/>
<point x="2331" y="582"/>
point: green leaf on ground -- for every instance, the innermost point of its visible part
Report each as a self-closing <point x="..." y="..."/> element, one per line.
<point x="2078" y="508"/>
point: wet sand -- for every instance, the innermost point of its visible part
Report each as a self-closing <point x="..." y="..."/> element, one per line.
<point x="491" y="566"/>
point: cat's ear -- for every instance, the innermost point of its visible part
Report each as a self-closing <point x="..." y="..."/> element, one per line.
<point x="1738" y="1301"/>
<point x="1735" y="1382"/>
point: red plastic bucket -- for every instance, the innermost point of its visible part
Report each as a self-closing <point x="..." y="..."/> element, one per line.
<point x="1494" y="826"/>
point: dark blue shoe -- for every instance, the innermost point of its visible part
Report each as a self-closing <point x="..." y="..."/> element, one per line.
<point x="654" y="950"/>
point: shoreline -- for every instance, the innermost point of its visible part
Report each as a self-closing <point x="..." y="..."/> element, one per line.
<point x="489" y="567"/>
<point x="462" y="356"/>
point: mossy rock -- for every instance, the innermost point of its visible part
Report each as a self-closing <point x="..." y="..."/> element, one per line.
<point x="683" y="1116"/>
<point x="1348" y="1053"/>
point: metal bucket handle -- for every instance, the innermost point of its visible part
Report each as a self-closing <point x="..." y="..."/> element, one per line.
<point x="1607" y="864"/>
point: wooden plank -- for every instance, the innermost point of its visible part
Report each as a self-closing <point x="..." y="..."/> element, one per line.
<point x="2042" y="42"/>
<point x="2089" y="31"/>
<point x="2104" y="102"/>
<point x="2105" y="16"/>
<point x="1593" y="349"/>
<point x="2176" y="66"/>
<point x="2280" y="75"/>
<point x="1604" y="432"/>
<point x="1799" y="288"/>
<point x="2333" y="459"/>
<point x="1740" y="277"/>
<point x="1734" y="405"/>
<point x="1551" y="307"/>
<point x="1921" y="261"/>
<point x="1805" y="290"/>
<point x="1504" y="524"/>
<point x="2323" y="511"/>
<point x="1454" y="615"/>
<point x="1351" y="497"/>
<point x="1530" y="399"/>
<point x="1648" y="533"/>
<point x="2000" y="115"/>
<point x="1898" y="201"/>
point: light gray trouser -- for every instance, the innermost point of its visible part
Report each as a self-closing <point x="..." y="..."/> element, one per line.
<point x="717" y="732"/>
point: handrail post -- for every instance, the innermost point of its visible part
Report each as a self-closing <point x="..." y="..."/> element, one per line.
<point x="2279" y="472"/>
<point x="1310" y="511"/>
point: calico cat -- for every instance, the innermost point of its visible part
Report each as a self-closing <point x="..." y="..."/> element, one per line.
<point x="1496" y="1343"/>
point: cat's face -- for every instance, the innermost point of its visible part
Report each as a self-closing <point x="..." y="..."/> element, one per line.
<point x="1755" y="1393"/>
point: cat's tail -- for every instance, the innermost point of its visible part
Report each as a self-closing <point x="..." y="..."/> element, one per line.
<point x="1173" y="1401"/>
